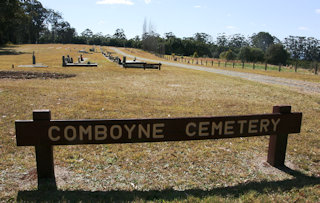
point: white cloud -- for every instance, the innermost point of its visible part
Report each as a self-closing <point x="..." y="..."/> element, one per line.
<point x="197" y="6"/>
<point x="101" y="22"/>
<point x="110" y="2"/>
<point x="147" y="1"/>
<point x="318" y="11"/>
<point x="231" y="27"/>
<point x="303" y="28"/>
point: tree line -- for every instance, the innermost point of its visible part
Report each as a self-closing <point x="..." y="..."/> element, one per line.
<point x="27" y="21"/>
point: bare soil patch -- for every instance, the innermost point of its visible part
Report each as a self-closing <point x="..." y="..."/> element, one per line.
<point x="16" y="75"/>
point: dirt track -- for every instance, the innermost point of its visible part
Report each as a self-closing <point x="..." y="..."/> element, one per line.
<point x="298" y="85"/>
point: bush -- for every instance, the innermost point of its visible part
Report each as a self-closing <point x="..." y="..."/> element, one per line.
<point x="227" y="55"/>
<point x="248" y="54"/>
<point x="276" y="54"/>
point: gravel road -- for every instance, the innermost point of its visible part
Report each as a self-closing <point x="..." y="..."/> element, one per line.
<point x="301" y="86"/>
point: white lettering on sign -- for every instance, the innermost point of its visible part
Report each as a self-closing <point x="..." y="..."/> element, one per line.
<point x="264" y="125"/>
<point x="50" y="133"/>
<point x="231" y="127"/>
<point x="67" y="131"/>
<point x="129" y="130"/>
<point x="226" y="128"/>
<point x="142" y="130"/>
<point x="253" y="126"/>
<point x="188" y="129"/>
<point x="85" y="131"/>
<point x="102" y="132"/>
<point x="216" y="127"/>
<point x="275" y="123"/>
<point x="242" y="122"/>
<point x="112" y="134"/>
<point x="203" y="128"/>
<point x="157" y="131"/>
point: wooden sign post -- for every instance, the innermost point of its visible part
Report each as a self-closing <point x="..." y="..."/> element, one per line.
<point x="44" y="133"/>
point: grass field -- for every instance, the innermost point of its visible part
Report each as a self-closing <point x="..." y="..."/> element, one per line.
<point x="232" y="170"/>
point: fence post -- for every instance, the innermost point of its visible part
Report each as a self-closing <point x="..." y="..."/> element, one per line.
<point x="265" y="66"/>
<point x="316" y="69"/>
<point x="253" y="66"/>
<point x="232" y="64"/>
<point x="225" y="64"/>
<point x="279" y="67"/>
<point x="296" y="67"/>
<point x="33" y="58"/>
<point x="242" y="65"/>
<point x="218" y="63"/>
<point x="44" y="155"/>
<point x="212" y="63"/>
<point x="278" y="143"/>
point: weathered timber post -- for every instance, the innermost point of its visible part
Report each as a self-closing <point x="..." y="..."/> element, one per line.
<point x="233" y="65"/>
<point x="63" y="61"/>
<point x="225" y="64"/>
<point x="296" y="67"/>
<point x="265" y="66"/>
<point x="242" y="65"/>
<point x="33" y="58"/>
<point x="253" y="66"/>
<point x="279" y="67"/>
<point x="206" y="63"/>
<point x="44" y="155"/>
<point x="218" y="63"/>
<point x="278" y="143"/>
<point x="212" y="63"/>
<point x="316" y="69"/>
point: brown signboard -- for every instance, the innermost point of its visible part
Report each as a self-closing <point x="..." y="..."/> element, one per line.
<point x="44" y="133"/>
<point x="73" y="132"/>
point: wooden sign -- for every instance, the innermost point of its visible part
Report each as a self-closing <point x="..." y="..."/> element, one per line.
<point x="43" y="133"/>
<point x="52" y="132"/>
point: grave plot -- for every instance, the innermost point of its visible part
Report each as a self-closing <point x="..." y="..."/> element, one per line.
<point x="34" y="64"/>
<point x="132" y="64"/>
<point x="68" y="61"/>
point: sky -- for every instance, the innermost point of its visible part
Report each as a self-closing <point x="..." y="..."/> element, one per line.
<point x="184" y="18"/>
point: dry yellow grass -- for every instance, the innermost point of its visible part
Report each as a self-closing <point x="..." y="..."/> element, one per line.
<point x="223" y="170"/>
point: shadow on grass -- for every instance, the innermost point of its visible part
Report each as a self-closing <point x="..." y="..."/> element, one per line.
<point x="299" y="181"/>
<point x="8" y="51"/>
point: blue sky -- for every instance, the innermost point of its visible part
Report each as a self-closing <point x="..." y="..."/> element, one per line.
<point x="184" y="18"/>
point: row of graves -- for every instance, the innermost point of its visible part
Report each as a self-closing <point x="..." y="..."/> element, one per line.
<point x="67" y="61"/>
<point x="131" y="64"/>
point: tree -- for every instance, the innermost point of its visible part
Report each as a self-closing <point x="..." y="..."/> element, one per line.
<point x="203" y="38"/>
<point x="119" y="34"/>
<point x="262" y="40"/>
<point x="236" y="42"/>
<point x="312" y="49"/>
<point x="228" y="55"/>
<point x="276" y="54"/>
<point x="11" y="14"/>
<point x="295" y="46"/>
<point x="35" y="21"/>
